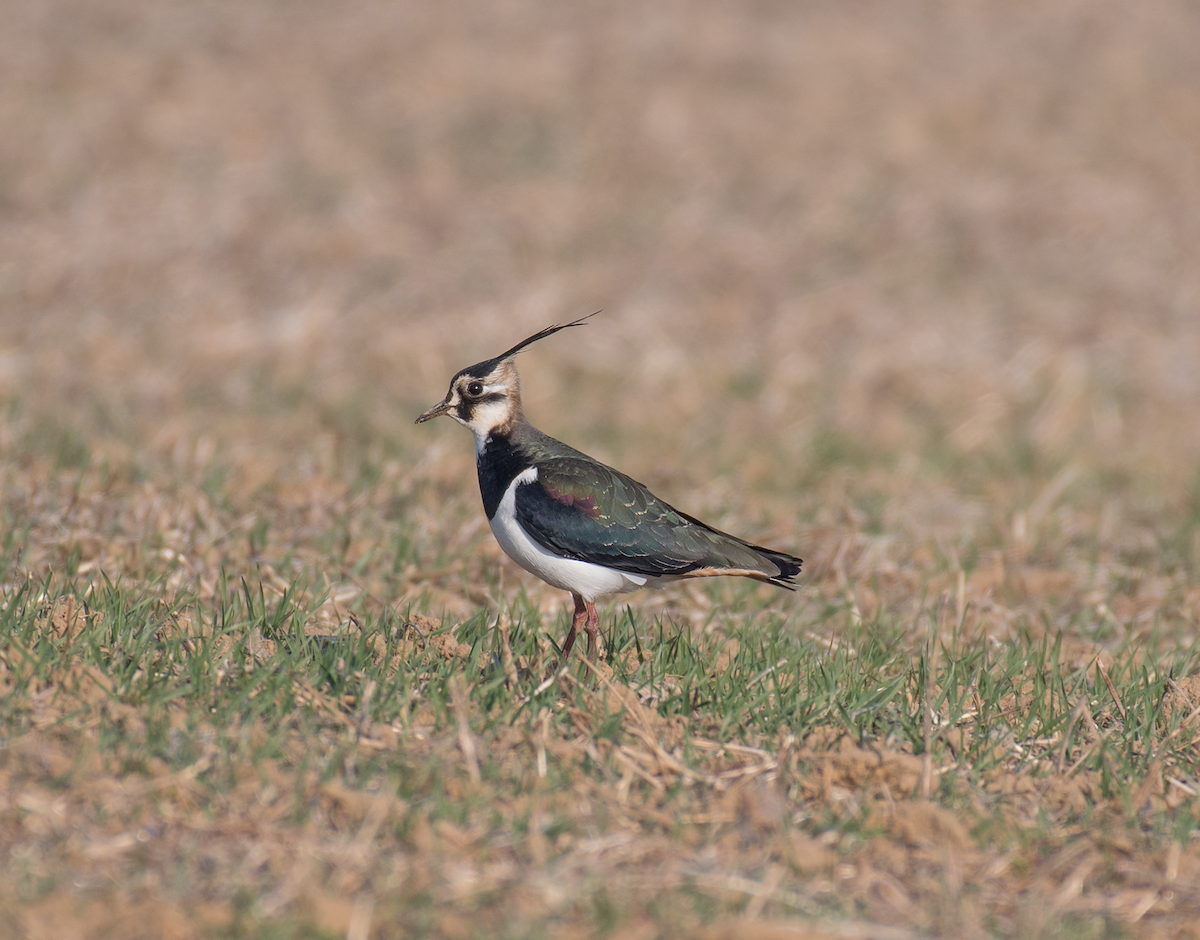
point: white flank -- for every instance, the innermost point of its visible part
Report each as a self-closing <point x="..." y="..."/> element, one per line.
<point x="581" y="577"/>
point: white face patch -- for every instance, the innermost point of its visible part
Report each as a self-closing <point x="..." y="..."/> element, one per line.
<point x="484" y="417"/>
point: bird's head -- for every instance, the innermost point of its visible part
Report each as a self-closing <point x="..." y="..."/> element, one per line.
<point x="486" y="397"/>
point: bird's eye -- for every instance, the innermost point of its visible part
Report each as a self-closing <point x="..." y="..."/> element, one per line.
<point x="475" y="389"/>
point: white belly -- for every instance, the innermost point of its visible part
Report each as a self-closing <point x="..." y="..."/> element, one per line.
<point x="580" y="577"/>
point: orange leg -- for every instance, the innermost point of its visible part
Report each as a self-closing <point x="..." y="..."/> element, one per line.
<point x="592" y="628"/>
<point x="585" y="617"/>
<point x="582" y="613"/>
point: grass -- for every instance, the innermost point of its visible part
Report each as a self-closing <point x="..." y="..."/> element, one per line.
<point x="288" y="710"/>
<point x="137" y="716"/>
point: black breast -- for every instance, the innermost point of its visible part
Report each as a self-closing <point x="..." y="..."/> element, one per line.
<point x="498" y="464"/>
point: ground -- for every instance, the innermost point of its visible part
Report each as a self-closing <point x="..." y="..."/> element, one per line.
<point x="909" y="290"/>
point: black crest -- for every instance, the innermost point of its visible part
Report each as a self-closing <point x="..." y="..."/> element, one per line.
<point x="484" y="368"/>
<point x="542" y="334"/>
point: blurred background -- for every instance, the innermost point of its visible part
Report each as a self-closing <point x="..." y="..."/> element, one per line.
<point x="948" y="251"/>
<point x="909" y="288"/>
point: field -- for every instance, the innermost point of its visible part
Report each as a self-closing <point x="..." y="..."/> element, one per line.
<point x="911" y="290"/>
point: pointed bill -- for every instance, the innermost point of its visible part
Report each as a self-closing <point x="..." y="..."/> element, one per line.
<point x="436" y="411"/>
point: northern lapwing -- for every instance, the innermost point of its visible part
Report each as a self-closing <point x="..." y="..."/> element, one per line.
<point x="574" y="522"/>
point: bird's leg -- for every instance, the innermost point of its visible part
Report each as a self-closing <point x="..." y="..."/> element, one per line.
<point x="592" y="628"/>
<point x="581" y="612"/>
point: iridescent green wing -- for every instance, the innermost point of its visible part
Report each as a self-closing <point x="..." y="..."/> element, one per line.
<point x="583" y="509"/>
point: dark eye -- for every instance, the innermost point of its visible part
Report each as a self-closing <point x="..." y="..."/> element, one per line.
<point x="475" y="389"/>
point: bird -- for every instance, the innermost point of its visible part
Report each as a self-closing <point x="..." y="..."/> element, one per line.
<point x="574" y="522"/>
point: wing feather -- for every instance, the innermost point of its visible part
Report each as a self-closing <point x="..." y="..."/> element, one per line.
<point x="585" y="510"/>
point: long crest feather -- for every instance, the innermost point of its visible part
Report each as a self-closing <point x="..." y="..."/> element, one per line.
<point x="542" y="334"/>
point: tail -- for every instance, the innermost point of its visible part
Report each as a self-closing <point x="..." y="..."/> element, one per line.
<point x="788" y="565"/>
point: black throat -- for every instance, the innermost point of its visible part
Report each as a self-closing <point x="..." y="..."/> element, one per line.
<point x="498" y="464"/>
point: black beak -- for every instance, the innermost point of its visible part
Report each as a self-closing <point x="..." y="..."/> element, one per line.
<point x="436" y="411"/>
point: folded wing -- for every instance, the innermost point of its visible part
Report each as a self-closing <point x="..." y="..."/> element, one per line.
<point x="585" y="510"/>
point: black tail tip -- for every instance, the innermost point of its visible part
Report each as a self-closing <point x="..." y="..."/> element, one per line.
<point x="789" y="566"/>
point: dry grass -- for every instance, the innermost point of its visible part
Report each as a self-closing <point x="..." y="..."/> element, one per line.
<point x="911" y="289"/>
